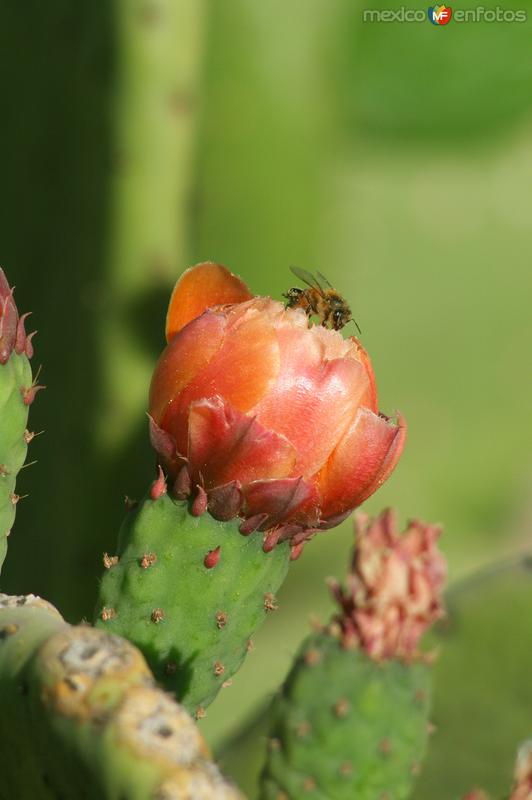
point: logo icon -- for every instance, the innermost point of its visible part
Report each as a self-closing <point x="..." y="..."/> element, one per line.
<point x="440" y="15"/>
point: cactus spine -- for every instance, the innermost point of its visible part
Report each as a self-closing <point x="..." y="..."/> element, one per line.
<point x="82" y="706"/>
<point x="351" y="720"/>
<point x="189" y="591"/>
<point x="16" y="395"/>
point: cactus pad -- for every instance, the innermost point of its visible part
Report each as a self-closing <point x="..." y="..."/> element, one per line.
<point x="82" y="706"/>
<point x="189" y="591"/>
<point x="346" y="727"/>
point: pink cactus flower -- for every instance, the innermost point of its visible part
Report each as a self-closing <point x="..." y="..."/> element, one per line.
<point x="394" y="590"/>
<point x="261" y="416"/>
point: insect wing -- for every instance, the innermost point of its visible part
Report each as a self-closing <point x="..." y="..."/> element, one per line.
<point x="324" y="280"/>
<point x="307" y="277"/>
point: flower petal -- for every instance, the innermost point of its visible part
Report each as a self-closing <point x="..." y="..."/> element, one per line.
<point x="362" y="461"/>
<point x="226" y="445"/>
<point x="204" y="286"/>
<point x="241" y="371"/>
<point x="185" y="356"/>
<point x="280" y="499"/>
<point x="370" y="399"/>
<point x="313" y="400"/>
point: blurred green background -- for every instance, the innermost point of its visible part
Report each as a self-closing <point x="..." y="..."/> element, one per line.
<point x="140" y="136"/>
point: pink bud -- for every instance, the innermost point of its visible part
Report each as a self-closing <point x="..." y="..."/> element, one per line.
<point x="158" y="487"/>
<point x="212" y="558"/>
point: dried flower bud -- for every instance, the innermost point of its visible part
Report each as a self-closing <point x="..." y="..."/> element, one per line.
<point x="393" y="592"/>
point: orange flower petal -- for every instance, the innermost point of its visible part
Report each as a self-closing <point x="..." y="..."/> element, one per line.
<point x="314" y="400"/>
<point x="185" y="356"/>
<point x="204" y="286"/>
<point x="242" y="370"/>
<point x="370" y="399"/>
<point x="226" y="445"/>
<point x="362" y="461"/>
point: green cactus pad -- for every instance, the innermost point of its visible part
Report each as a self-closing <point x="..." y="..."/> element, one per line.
<point x="192" y="622"/>
<point x="81" y="718"/>
<point x="15" y="376"/>
<point x="346" y="727"/>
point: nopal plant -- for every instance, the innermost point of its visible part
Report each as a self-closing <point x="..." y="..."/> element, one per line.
<point x="267" y="432"/>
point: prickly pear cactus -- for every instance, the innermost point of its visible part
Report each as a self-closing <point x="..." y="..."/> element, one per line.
<point x="189" y="591"/>
<point x="16" y="395"/>
<point x="346" y="727"/>
<point x="351" y="720"/>
<point x="82" y="707"/>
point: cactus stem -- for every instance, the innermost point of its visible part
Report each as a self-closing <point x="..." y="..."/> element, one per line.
<point x="157" y="615"/>
<point x="213" y="557"/>
<point x="158" y="487"/>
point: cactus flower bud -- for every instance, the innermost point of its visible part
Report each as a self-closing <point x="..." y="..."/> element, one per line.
<point x="393" y="592"/>
<point x="275" y="421"/>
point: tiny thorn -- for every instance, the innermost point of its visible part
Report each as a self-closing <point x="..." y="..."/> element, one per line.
<point x="4" y="472"/>
<point x="250" y="645"/>
<point x="28" y="464"/>
<point x="431" y="728"/>
<point x="129" y="503"/>
<point x="341" y="708"/>
<point x="296" y="550"/>
<point x="303" y="729"/>
<point x="109" y="561"/>
<point x="270" y="602"/>
<point x="8" y="630"/>
<point x="170" y="668"/>
<point x="221" y="619"/>
<point x="107" y="613"/>
<point x="420" y="696"/>
<point x="227" y="684"/>
<point x="385" y="747"/>
<point x="346" y="769"/>
<point x="157" y="615"/>
<point x="158" y="487"/>
<point x="312" y="657"/>
<point x="28" y="394"/>
<point x="199" y="506"/>
<point x="28" y="436"/>
<point x="274" y="744"/>
<point x="212" y="558"/>
<point x="309" y="784"/>
<point x="219" y="668"/>
<point x="415" y="769"/>
<point x="148" y="560"/>
<point x="200" y="713"/>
